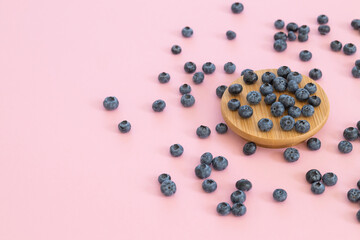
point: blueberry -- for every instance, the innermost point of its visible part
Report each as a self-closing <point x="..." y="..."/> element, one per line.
<point x="313" y="144"/>
<point x="220" y="90"/>
<point x="176" y="49"/>
<point x="223" y="208"/>
<point x="184" y="89"/>
<point x="250" y="77"/>
<point x="345" y="147"/>
<point x="221" y="128"/>
<point x="351" y="133"/>
<point x="302" y="126"/>
<point x="238" y="197"/>
<point x="187" y="32"/>
<point x="317" y="187"/>
<point x="357" y="63"/>
<point x="302" y="94"/>
<point x="355" y="24"/>
<point x="187" y="100"/>
<point x="358" y="216"/>
<point x="158" y="105"/>
<point x="303" y="37"/>
<point x="206" y="158"/>
<point x="268" y="77"/>
<point x="164" y="77"/>
<point x="270" y="98"/>
<point x="280" y="35"/>
<point x="277" y="109"/>
<point x="286" y="100"/>
<point x="238" y="209"/>
<point x="111" y="103"/>
<point x="305" y="55"/>
<point x="314" y="101"/>
<point x="209" y="185"/>
<point x="329" y="179"/>
<point x="190" y="67"/>
<point x="163" y="177"/>
<point x="355" y="71"/>
<point x="304" y="29"/>
<point x="313" y="175"/>
<point x="203" y="131"/>
<point x="358" y="125"/>
<point x="283" y="71"/>
<point x="265" y="124"/>
<point x="235" y="89"/>
<point x="243" y="185"/>
<point x="229" y="67"/>
<point x="322" y="19"/>
<point x="245" y="70"/>
<point x="220" y="163"/>
<point x="336" y="46"/>
<point x="198" y="77"/>
<point x="237" y="7"/>
<point x="249" y="148"/>
<point x="353" y="195"/>
<point x="287" y="123"/>
<point x="307" y="110"/>
<point x="245" y="111"/>
<point x="280" y="84"/>
<point x="202" y="171"/>
<point x="291" y="36"/>
<point x="349" y="49"/>
<point x="294" y="111"/>
<point x="253" y="97"/>
<point x="168" y="188"/>
<point x="176" y="150"/>
<point x="292" y="27"/>
<point x="230" y="35"/>
<point x="279" y="195"/>
<point x="292" y="86"/>
<point x="311" y="87"/>
<point x="266" y="89"/>
<point x="291" y="154"/>
<point x="124" y="126"/>
<point x="358" y="184"/>
<point x="208" y="68"/>
<point x="324" y="29"/>
<point x="233" y="104"/>
<point x="294" y="76"/>
<point x="280" y="45"/>
<point x="279" y="24"/>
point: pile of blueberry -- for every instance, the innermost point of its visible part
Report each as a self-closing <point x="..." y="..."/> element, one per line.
<point x="356" y="69"/>
<point x="167" y="186"/>
<point x="318" y="182"/>
<point x="354" y="196"/>
<point x="350" y="134"/>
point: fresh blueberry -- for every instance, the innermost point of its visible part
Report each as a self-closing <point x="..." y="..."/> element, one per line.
<point x="229" y="67"/>
<point x="270" y="98"/>
<point x="184" y="89"/>
<point x="245" y="70"/>
<point x="292" y="27"/>
<point x="355" y="24"/>
<point x="187" y="100"/>
<point x="280" y="35"/>
<point x="313" y="175"/>
<point x="168" y="188"/>
<point x="280" y="84"/>
<point x="238" y="209"/>
<point x="124" y="126"/>
<point x="208" y="68"/>
<point x="279" y="24"/>
<point x="324" y="29"/>
<point x="111" y="103"/>
<point x="235" y="89"/>
<point x="294" y="76"/>
<point x="206" y="158"/>
<point x="159" y="105"/>
<point x="220" y="163"/>
<point x="311" y="87"/>
<point x="304" y="29"/>
<point x="313" y="144"/>
<point x="250" y="77"/>
<point x="336" y="46"/>
<point x="233" y="104"/>
<point x="358" y="184"/>
<point x="237" y="7"/>
<point x="283" y="71"/>
<point x="292" y="86"/>
<point x="203" y="131"/>
<point x="253" y="97"/>
<point x="203" y="171"/>
<point x="198" y="77"/>
<point x="163" y="177"/>
<point x="245" y="111"/>
<point x="280" y="45"/>
<point x="330" y="179"/>
<point x="187" y="32"/>
<point x="230" y="35"/>
<point x="353" y="195"/>
<point x="302" y="94"/>
<point x="286" y="100"/>
<point x="314" y="101"/>
<point x="294" y="111"/>
<point x="307" y="110"/>
<point x="357" y="63"/>
<point x="305" y="55"/>
<point x="209" y="185"/>
<point x="249" y="148"/>
<point x="268" y="77"/>
<point x="302" y="126"/>
<point x="164" y="77"/>
<point x="351" y="133"/>
<point x="322" y="19"/>
<point x="355" y="71"/>
<point x="291" y="36"/>
<point x="176" y="49"/>
<point x="279" y="195"/>
<point x="358" y="125"/>
<point x="220" y="90"/>
<point x="291" y="154"/>
<point x="358" y="216"/>
<point x="190" y="67"/>
<point x="345" y="147"/>
<point x="303" y="37"/>
<point x="176" y="150"/>
<point x="349" y="49"/>
<point x="266" y="89"/>
<point x="221" y="128"/>
<point x="238" y="197"/>
<point x="223" y="208"/>
<point x="287" y="123"/>
<point x="317" y="187"/>
<point x="277" y="109"/>
<point x="265" y="124"/>
<point x="243" y="185"/>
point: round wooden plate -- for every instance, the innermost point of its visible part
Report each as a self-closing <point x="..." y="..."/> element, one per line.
<point x="276" y="137"/>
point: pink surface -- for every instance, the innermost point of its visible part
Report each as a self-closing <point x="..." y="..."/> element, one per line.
<point x="67" y="173"/>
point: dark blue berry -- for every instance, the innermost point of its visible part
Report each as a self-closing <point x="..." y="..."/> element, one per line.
<point x="302" y="126"/>
<point x="187" y="100"/>
<point x="250" y="77"/>
<point x="286" y="100"/>
<point x="277" y="109"/>
<point x="238" y="197"/>
<point x="163" y="177"/>
<point x="238" y="209"/>
<point x="353" y="195"/>
<point x="198" y="77"/>
<point x="243" y="185"/>
<point x="245" y="111"/>
<point x="294" y="76"/>
<point x="358" y="125"/>
<point x="237" y="7"/>
<point x="206" y="158"/>
<point x="209" y="185"/>
<point x="249" y="148"/>
<point x="311" y="87"/>
<point x="164" y="77"/>
<point x="357" y="63"/>
<point x="345" y="147"/>
<point x="229" y="67"/>
<point x="304" y="29"/>
<point x="208" y="68"/>
<point x="233" y="104"/>
<point x="305" y="55"/>
<point x="317" y="187"/>
<point x="292" y="86"/>
<point x="291" y="154"/>
<point x="313" y="144"/>
<point x="221" y="128"/>
<point x="270" y="98"/>
<point x="187" y="32"/>
<point x="279" y="195"/>
<point x="355" y="71"/>
<point x="203" y="171"/>
<point x="302" y="94"/>
<point x="253" y="97"/>
<point x="158" y="105"/>
<point x="355" y="24"/>
<point x="307" y="110"/>
<point x="235" y="89"/>
<point x="280" y="35"/>
<point x="245" y="70"/>
<point x="230" y="35"/>
<point x="220" y="163"/>
<point x="168" y="188"/>
<point x="303" y="37"/>
<point x="287" y="123"/>
<point x="351" y="133"/>
<point x="220" y="90"/>
<point x="358" y="184"/>
<point x="280" y="45"/>
<point x="314" y="101"/>
<point x="190" y="67"/>
<point x="111" y="103"/>
<point x="322" y="19"/>
<point x="358" y="216"/>
<point x="176" y="150"/>
<point x="329" y="179"/>
<point x="268" y="77"/>
<point x="184" y="89"/>
<point x="124" y="126"/>
<point x="292" y="27"/>
<point x="313" y="175"/>
<point x="203" y="131"/>
<point x="324" y="29"/>
<point x="336" y="46"/>
<point x="265" y="124"/>
<point x="223" y="208"/>
<point x="266" y="89"/>
<point x="294" y="111"/>
<point x="291" y="36"/>
<point x="280" y="84"/>
<point x="349" y="49"/>
<point x="279" y="24"/>
<point x="176" y="49"/>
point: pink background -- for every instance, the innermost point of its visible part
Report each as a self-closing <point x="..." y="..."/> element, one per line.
<point x="67" y="173"/>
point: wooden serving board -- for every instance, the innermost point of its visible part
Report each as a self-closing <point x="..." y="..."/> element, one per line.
<point x="276" y="137"/>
